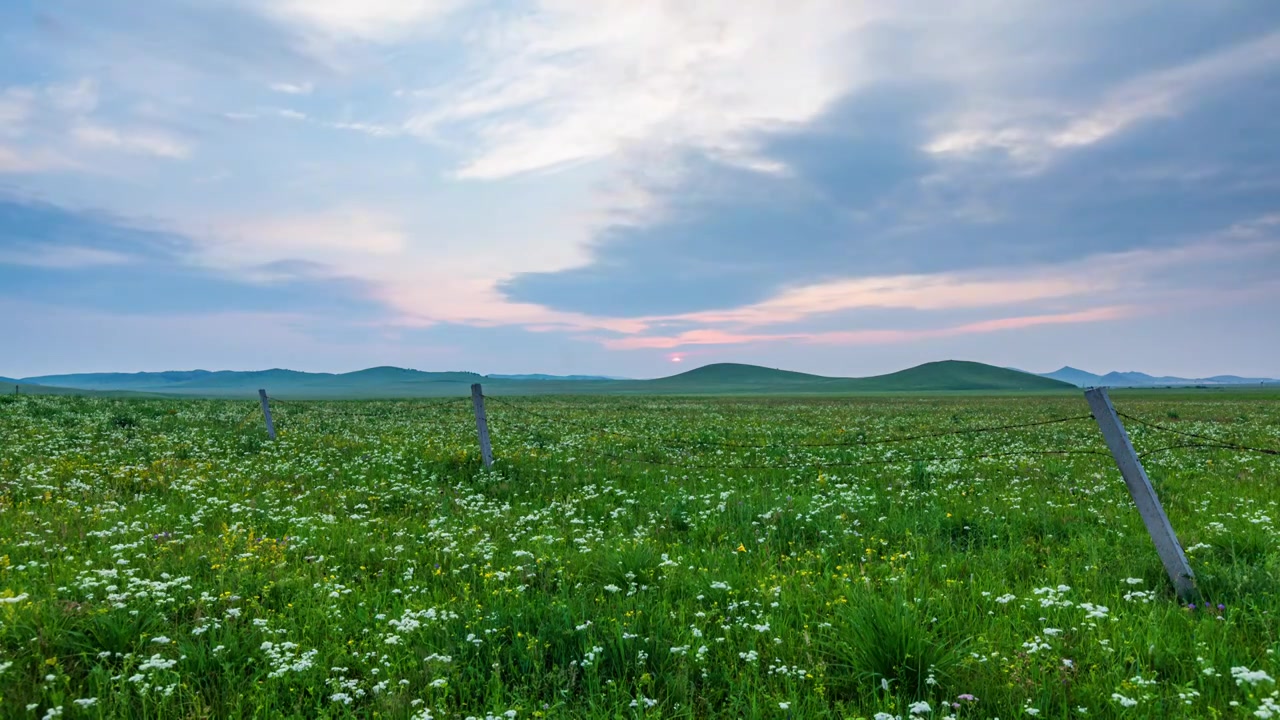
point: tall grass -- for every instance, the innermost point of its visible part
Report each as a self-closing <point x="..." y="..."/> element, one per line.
<point x="160" y="559"/>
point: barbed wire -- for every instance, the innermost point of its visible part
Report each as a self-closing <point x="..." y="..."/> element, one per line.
<point x="392" y="412"/>
<point x="415" y="403"/>
<point x="765" y="446"/>
<point x="1212" y="442"/>
<point x="1214" y="446"/>
<point x="256" y="412"/>
<point x="1204" y="441"/>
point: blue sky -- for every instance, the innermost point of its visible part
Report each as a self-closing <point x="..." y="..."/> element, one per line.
<point x="630" y="188"/>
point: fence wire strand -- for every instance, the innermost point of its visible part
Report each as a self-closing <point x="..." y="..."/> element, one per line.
<point x="779" y="445"/>
<point x="1209" y="441"/>
<point x="1202" y="441"/>
<point x="430" y="406"/>
<point x="820" y="466"/>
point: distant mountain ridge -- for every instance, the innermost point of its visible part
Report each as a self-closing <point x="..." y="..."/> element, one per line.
<point x="201" y="379"/>
<point x="540" y="376"/>
<point x="391" y="382"/>
<point x="1083" y="378"/>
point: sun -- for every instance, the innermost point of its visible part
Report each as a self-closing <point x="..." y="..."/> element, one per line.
<point x="676" y="359"/>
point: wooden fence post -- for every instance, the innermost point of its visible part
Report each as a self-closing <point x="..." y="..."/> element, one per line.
<point x="266" y="413"/>
<point x="482" y="425"/>
<point x="1144" y="496"/>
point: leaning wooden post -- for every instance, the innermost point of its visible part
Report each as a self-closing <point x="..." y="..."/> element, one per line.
<point x="266" y="413"/>
<point x="1144" y="496"/>
<point x="482" y="425"/>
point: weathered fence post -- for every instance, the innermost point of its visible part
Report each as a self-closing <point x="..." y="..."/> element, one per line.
<point x="266" y="413"/>
<point x="1144" y="496"/>
<point x="482" y="425"/>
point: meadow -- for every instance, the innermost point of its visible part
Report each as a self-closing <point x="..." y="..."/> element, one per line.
<point x="631" y="557"/>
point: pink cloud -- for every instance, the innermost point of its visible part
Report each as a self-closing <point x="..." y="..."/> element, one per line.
<point x="916" y="292"/>
<point x="691" y="337"/>
<point x="868" y="337"/>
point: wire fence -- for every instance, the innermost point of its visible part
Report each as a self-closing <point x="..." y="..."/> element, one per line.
<point x="683" y="453"/>
<point x="1209" y="442"/>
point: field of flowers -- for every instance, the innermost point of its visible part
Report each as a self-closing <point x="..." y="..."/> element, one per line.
<point x="630" y="557"/>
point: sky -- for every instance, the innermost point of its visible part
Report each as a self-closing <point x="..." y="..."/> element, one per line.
<point x="635" y="188"/>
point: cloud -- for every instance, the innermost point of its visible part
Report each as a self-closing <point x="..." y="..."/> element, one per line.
<point x="65" y="257"/>
<point x="865" y="337"/>
<point x="864" y="198"/>
<point x="916" y="292"/>
<point x="32" y="227"/>
<point x="728" y="236"/>
<point x="292" y="88"/>
<point x="72" y="258"/>
<point x="1151" y="96"/>
<point x="33" y="160"/>
<point x="370" y="129"/>
<point x="630" y="171"/>
<point x="16" y="105"/>
<point x="55" y="128"/>
<point x="364" y="20"/>
<point x="80" y="98"/>
<point x="141" y="141"/>
<point x="574" y="81"/>
<point x="347" y="240"/>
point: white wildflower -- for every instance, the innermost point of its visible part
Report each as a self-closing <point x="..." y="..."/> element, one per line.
<point x="1244" y="675"/>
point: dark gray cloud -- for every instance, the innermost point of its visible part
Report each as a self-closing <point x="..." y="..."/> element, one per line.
<point x="863" y="197"/>
<point x="41" y="247"/>
<point x="215" y="37"/>
<point x="733" y="234"/>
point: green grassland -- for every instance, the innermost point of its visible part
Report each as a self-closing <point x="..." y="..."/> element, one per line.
<point x="630" y="556"/>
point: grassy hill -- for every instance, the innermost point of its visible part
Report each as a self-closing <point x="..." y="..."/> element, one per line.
<point x="734" y="375"/>
<point x="944" y="376"/>
<point x="949" y="375"/>
<point x="716" y="379"/>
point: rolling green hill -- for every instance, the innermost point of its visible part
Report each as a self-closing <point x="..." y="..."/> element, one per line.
<point x="944" y="376"/>
<point x="949" y="375"/>
<point x="392" y="382"/>
<point x="733" y="375"/>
